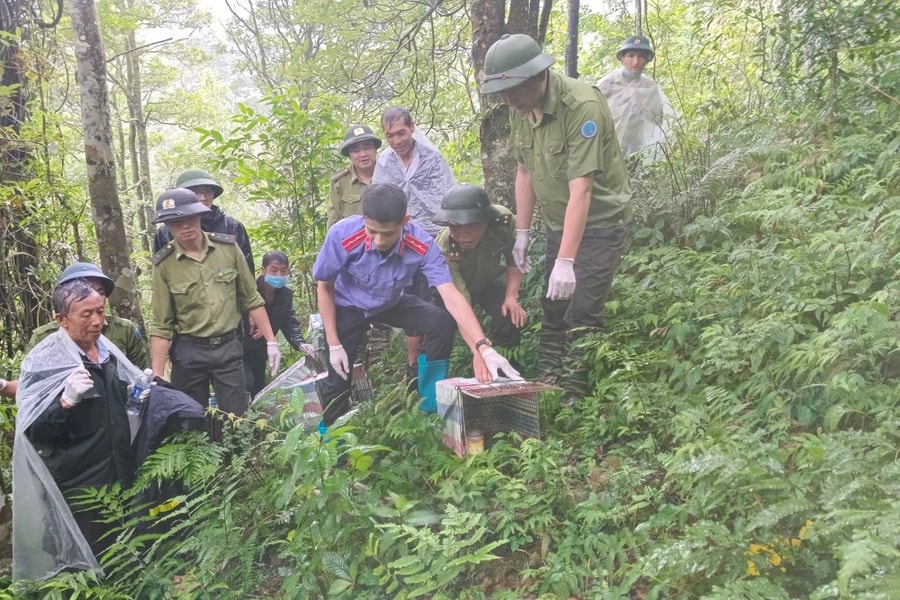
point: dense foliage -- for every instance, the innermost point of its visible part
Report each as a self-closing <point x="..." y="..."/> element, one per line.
<point x="741" y="439"/>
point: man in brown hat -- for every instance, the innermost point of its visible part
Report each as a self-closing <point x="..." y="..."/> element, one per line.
<point x="347" y="185"/>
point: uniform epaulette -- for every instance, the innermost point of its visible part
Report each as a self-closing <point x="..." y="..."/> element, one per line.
<point x="503" y="219"/>
<point x="163" y="254"/>
<point x="454" y="252"/>
<point x="223" y="238"/>
<point x="414" y="243"/>
<point x="355" y="239"/>
<point x="339" y="174"/>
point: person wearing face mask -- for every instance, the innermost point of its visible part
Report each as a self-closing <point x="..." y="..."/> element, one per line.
<point x="272" y="286"/>
<point x="639" y="108"/>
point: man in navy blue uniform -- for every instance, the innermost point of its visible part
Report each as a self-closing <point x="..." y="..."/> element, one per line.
<point x="364" y="265"/>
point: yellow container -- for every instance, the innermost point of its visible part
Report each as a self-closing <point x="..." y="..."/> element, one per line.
<point x="474" y="442"/>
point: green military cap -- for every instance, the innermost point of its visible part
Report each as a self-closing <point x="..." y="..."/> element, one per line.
<point x="196" y="177"/>
<point x="636" y="42"/>
<point x="83" y="269"/>
<point x="510" y="61"/>
<point x="465" y="204"/>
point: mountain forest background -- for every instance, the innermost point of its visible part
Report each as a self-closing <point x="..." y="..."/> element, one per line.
<point x="741" y="439"/>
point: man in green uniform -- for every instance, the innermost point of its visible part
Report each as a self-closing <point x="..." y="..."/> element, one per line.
<point x="360" y="145"/>
<point x="570" y="165"/>
<point x="121" y="332"/>
<point x="201" y="284"/>
<point x="477" y="237"/>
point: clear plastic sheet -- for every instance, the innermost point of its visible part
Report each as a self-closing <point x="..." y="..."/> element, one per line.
<point x="46" y="538"/>
<point x="427" y="179"/>
<point x="641" y="112"/>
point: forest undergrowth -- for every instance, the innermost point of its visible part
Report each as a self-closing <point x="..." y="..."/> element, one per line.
<point x="741" y="440"/>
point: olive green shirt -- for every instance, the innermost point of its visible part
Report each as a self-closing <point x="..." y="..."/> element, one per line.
<point x="345" y="194"/>
<point x="474" y="270"/>
<point x="201" y="298"/>
<point x="574" y="138"/>
<point x="121" y="332"/>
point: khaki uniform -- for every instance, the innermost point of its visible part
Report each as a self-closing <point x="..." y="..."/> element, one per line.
<point x="202" y="299"/>
<point x="480" y="274"/>
<point x="345" y="195"/>
<point x="198" y="305"/>
<point x="475" y="270"/>
<point x="575" y="138"/>
<point x="121" y="332"/>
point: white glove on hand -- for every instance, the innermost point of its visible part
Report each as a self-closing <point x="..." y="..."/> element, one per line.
<point x="562" y="279"/>
<point x="274" y="356"/>
<point x="495" y="362"/>
<point x="76" y="385"/>
<point x="520" y="250"/>
<point x="308" y="349"/>
<point x="337" y="356"/>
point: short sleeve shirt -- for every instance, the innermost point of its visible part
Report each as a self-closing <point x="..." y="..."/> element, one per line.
<point x="370" y="280"/>
<point x="574" y="138"/>
<point x="202" y="298"/>
<point x="474" y="270"/>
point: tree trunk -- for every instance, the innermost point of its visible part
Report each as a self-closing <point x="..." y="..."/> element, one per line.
<point x="489" y="22"/>
<point x="141" y="174"/>
<point x="115" y="255"/>
<point x="572" y="40"/>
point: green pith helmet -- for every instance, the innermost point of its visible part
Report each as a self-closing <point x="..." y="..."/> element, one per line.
<point x="510" y="61"/>
<point x="178" y="203"/>
<point x="465" y="204"/>
<point x="636" y="42"/>
<point x="83" y="269"/>
<point x="194" y="177"/>
<point x="356" y="134"/>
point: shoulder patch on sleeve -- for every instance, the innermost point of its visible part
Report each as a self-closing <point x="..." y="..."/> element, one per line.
<point x="415" y="244"/>
<point x="353" y="240"/>
<point x="339" y="174"/>
<point x="163" y="254"/>
<point x="588" y="129"/>
<point x="223" y="238"/>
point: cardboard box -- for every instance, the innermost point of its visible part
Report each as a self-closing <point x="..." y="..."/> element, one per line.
<point x="500" y="406"/>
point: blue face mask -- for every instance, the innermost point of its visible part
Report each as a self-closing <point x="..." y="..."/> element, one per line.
<point x="277" y="281"/>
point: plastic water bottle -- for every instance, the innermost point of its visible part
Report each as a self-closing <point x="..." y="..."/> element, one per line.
<point x="143" y="382"/>
<point x="215" y="425"/>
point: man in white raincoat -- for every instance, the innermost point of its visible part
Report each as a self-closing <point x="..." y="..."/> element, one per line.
<point x="640" y="110"/>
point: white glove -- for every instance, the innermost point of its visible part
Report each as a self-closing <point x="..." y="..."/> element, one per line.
<point x="495" y="362"/>
<point x="274" y="356"/>
<point x="76" y="385"/>
<point x="337" y="356"/>
<point x="308" y="349"/>
<point x="520" y="250"/>
<point x="562" y="279"/>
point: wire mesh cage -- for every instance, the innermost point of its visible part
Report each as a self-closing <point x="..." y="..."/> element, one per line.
<point x="498" y="407"/>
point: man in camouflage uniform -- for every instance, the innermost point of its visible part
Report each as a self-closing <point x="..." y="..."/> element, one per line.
<point x="121" y="332"/>
<point x="571" y="166"/>
<point x="215" y="221"/>
<point x="201" y="285"/>
<point x="476" y="240"/>
<point x="360" y="145"/>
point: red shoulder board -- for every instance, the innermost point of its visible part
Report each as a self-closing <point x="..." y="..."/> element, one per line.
<point x="415" y="244"/>
<point x="352" y="241"/>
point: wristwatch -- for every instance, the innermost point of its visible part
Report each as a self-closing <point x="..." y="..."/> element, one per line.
<point x="483" y="342"/>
